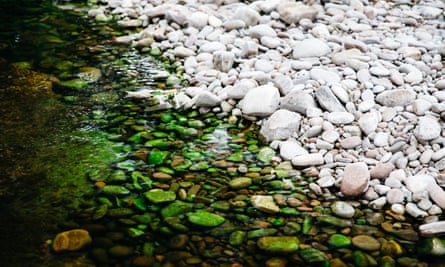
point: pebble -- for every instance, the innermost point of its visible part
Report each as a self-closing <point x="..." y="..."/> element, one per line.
<point x="343" y="209"/>
<point x="355" y="179"/>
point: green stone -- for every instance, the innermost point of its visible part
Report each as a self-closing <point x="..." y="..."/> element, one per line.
<point x="291" y="228"/>
<point x="289" y="211"/>
<point x="236" y="157"/>
<point x="157" y="157"/>
<point x="120" y="212"/>
<point x="432" y="247"/>
<point x="204" y="218"/>
<point x="118" y="176"/>
<point x="279" y="244"/>
<point x="183" y="166"/>
<point x="360" y="259"/>
<point x="197" y="124"/>
<point x="115" y="190"/>
<point x="339" y="240"/>
<point x="266" y="154"/>
<point x="167" y="170"/>
<point x="221" y="205"/>
<point x="314" y="257"/>
<point x="172" y="80"/>
<point x="78" y="84"/>
<point x="176" y="208"/>
<point x="328" y="219"/>
<point x="241" y="182"/>
<point x="160" y="196"/>
<point x="261" y="232"/>
<point x="237" y="238"/>
<point x="161" y="143"/>
<point x="193" y="155"/>
<point x="199" y="166"/>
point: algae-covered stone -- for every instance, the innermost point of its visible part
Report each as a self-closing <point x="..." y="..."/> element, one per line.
<point x="266" y="154"/>
<point x="432" y="247"/>
<point x="279" y="244"/>
<point x="265" y="203"/>
<point x="176" y="208"/>
<point x="204" y="218"/>
<point x="240" y="182"/>
<point x="115" y="190"/>
<point x="78" y="84"/>
<point x="391" y="248"/>
<point x="360" y="259"/>
<point x="339" y="240"/>
<point x="71" y="240"/>
<point x="159" y="196"/>
<point x="334" y="221"/>
<point x="157" y="157"/>
<point x="314" y="257"/>
<point x="236" y="157"/>
<point x="237" y="238"/>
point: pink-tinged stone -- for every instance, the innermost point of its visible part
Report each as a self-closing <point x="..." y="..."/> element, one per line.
<point x="355" y="179"/>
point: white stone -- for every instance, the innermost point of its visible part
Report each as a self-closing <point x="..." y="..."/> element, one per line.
<point x="293" y="12"/>
<point x="342" y="209"/>
<point x="355" y="179"/>
<point x="298" y="100"/>
<point x="340" y="117"/>
<point x="312" y="47"/>
<point x="290" y="149"/>
<point x="282" y="124"/>
<point x="260" y="101"/>
<point x="308" y="160"/>
<point x="419" y="183"/>
<point x="428" y="128"/>
<point x="368" y="122"/>
<point x="396" y="97"/>
<point x="414" y="211"/>
<point x="265" y="203"/>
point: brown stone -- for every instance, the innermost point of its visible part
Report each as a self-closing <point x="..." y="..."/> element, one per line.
<point x="71" y="240"/>
<point x="355" y="179"/>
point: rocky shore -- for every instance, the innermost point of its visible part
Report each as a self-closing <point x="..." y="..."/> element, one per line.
<point x="350" y="93"/>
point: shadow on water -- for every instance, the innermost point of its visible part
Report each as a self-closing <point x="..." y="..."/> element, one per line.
<point x="45" y="150"/>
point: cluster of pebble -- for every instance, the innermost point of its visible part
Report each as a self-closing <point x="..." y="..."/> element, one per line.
<point x="352" y="87"/>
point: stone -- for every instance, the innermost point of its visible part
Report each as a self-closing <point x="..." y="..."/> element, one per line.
<point x="290" y="149"/>
<point x="248" y="15"/>
<point x="427" y="128"/>
<point x="419" y="183"/>
<point x="355" y="179"/>
<point x="343" y="209"/>
<point x="240" y="182"/>
<point x="339" y="241"/>
<point x="120" y="251"/>
<point x="223" y="60"/>
<point x="437" y="195"/>
<point x="366" y="242"/>
<point x="261" y="101"/>
<point x="279" y="244"/>
<point x="72" y="240"/>
<point x="262" y="30"/>
<point x="326" y="75"/>
<point x="198" y="19"/>
<point x="282" y="124"/>
<point x="382" y="170"/>
<point x="368" y="122"/>
<point x="433" y="228"/>
<point x="350" y="142"/>
<point x="265" y="204"/>
<point x="311" y="47"/>
<point x="160" y="196"/>
<point x="328" y="100"/>
<point x="205" y="218"/>
<point x="293" y="12"/>
<point x="394" y="196"/>
<point x="337" y="117"/>
<point x="298" y="101"/>
<point x="311" y="159"/>
<point x="396" y="97"/>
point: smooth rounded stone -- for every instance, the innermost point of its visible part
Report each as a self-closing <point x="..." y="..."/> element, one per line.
<point x="379" y="71"/>
<point x="248" y="15"/>
<point x="311" y="159"/>
<point x="396" y="97"/>
<point x="393" y="182"/>
<point x="437" y="195"/>
<point x="279" y="244"/>
<point x="381" y="139"/>
<point x="342" y="209"/>
<point x="398" y="208"/>
<point x="328" y="100"/>
<point x="378" y="203"/>
<point x="204" y="99"/>
<point x="198" y="19"/>
<point x="264" y="65"/>
<point x="340" y="58"/>
<point x="283" y="82"/>
<point x="240" y="88"/>
<point x="394" y="196"/>
<point x="321" y="74"/>
<point x="340" y="117"/>
<point x="363" y="75"/>
<point x="181" y="51"/>
<point x="428" y="128"/>
<point x="234" y="24"/>
<point x="260" y="101"/>
<point x="355" y="179"/>
<point x="326" y="181"/>
<point x="312" y="47"/>
<point x="419" y="183"/>
<point x="297" y="100"/>
<point x="350" y="142"/>
<point x="262" y="30"/>
<point x="210" y="47"/>
<point x="433" y="228"/>
<point x="382" y="170"/>
<point x="414" y="211"/>
<point x="293" y="12"/>
<point x="420" y="106"/>
<point x="440" y="84"/>
<point x="270" y="42"/>
<point x="437" y="155"/>
<point x="381" y="189"/>
<point x="240" y="182"/>
<point x="223" y="60"/>
<point x="282" y="124"/>
<point x="71" y="240"/>
<point x="265" y="204"/>
<point x="339" y="241"/>
<point x="366" y="242"/>
<point x="341" y="93"/>
<point x="205" y="218"/>
<point x="368" y="122"/>
<point x="330" y="136"/>
<point x="290" y="149"/>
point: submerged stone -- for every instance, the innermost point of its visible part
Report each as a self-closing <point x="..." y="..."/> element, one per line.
<point x="240" y="182"/>
<point x="115" y="190"/>
<point x="71" y="240"/>
<point x="157" y="157"/>
<point x="78" y="84"/>
<point x="339" y="240"/>
<point x="279" y="244"/>
<point x="176" y="208"/>
<point x="160" y="196"/>
<point x="204" y="218"/>
<point x="265" y="155"/>
<point x="314" y="257"/>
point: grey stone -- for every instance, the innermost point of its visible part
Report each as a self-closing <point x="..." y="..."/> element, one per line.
<point x="396" y="97"/>
<point x="282" y="124"/>
<point x="261" y="101"/>
<point x="328" y="100"/>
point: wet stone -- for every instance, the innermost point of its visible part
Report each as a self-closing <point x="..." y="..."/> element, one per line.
<point x="204" y="218"/>
<point x="339" y="240"/>
<point x="241" y="182"/>
<point x="265" y="203"/>
<point x="159" y="196"/>
<point x="278" y="244"/>
<point x="366" y="242"/>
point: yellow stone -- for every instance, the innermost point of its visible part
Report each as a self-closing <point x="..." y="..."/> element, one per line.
<point x="71" y="240"/>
